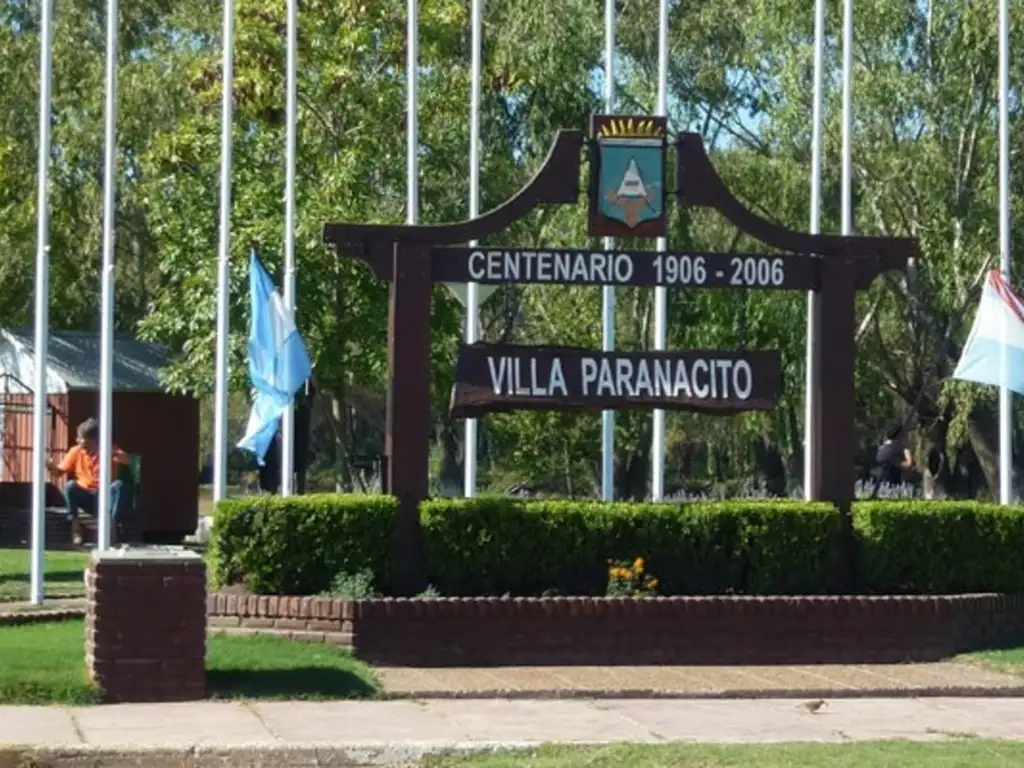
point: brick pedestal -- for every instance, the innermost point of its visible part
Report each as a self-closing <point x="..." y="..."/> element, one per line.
<point x="145" y="626"/>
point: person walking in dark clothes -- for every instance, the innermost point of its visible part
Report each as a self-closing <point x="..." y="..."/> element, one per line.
<point x="891" y="459"/>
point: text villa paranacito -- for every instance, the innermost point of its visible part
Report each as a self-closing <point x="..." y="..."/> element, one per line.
<point x="713" y="378"/>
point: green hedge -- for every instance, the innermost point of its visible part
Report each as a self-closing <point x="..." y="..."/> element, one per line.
<point x="940" y="547"/>
<point x="297" y="545"/>
<point x="496" y="546"/>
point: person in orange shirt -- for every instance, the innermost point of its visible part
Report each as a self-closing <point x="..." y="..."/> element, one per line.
<point x="82" y="463"/>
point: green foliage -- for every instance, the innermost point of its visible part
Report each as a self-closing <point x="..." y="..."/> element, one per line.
<point x="297" y="545"/>
<point x="740" y="74"/>
<point x="490" y="546"/>
<point x="790" y="547"/>
<point x="353" y="586"/>
<point x="340" y="545"/>
<point x="940" y="547"/>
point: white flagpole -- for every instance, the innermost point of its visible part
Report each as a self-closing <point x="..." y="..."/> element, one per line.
<point x="1005" y="395"/>
<point x="412" y="164"/>
<point x="107" y="285"/>
<point x="847" y="163"/>
<point x="608" y="291"/>
<point x="220" y="435"/>
<point x="813" y="307"/>
<point x="288" y="419"/>
<point x="472" y="292"/>
<point x="40" y="398"/>
<point x="660" y="295"/>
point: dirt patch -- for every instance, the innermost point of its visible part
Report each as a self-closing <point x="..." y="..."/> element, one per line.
<point x="266" y="757"/>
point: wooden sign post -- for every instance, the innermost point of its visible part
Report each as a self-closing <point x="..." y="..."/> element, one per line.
<point x="626" y="195"/>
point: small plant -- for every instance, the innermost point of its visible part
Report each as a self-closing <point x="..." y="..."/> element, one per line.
<point x="627" y="579"/>
<point x="430" y="591"/>
<point x="353" y="586"/>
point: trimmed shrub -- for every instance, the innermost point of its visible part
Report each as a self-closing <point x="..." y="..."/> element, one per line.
<point x="940" y="546"/>
<point x="499" y="545"/>
<point x="493" y="546"/>
<point x="300" y="544"/>
<point x="790" y="548"/>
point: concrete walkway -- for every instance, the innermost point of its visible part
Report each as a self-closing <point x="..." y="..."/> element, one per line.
<point x="397" y="732"/>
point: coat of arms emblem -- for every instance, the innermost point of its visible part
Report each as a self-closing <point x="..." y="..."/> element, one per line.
<point x="628" y="176"/>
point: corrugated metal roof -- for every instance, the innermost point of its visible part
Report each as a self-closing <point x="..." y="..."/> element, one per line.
<point x="74" y="359"/>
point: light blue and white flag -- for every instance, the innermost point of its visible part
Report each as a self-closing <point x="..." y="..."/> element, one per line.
<point x="278" y="361"/>
<point x="998" y="326"/>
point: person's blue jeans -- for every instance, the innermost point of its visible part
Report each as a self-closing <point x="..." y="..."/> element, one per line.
<point x="78" y="498"/>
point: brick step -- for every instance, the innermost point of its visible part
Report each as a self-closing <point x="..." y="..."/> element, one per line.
<point x="16" y="529"/>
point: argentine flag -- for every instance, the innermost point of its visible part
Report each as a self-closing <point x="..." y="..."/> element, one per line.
<point x="1001" y="312"/>
<point x="278" y="361"/>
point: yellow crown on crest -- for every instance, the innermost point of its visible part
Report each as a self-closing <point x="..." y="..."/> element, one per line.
<point x="628" y="127"/>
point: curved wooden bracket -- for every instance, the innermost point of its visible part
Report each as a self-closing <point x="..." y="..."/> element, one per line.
<point x="698" y="184"/>
<point x="557" y="182"/>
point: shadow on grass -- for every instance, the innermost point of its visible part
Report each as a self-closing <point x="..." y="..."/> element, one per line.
<point x="66" y="576"/>
<point x="23" y="577"/>
<point x="310" y="682"/>
<point x="65" y="583"/>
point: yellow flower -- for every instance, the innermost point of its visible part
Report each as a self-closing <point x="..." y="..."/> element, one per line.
<point x="638" y="564"/>
<point x="652" y="583"/>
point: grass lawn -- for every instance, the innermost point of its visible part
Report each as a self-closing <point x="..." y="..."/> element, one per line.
<point x="62" y="573"/>
<point x="1010" y="660"/>
<point x="958" y="754"/>
<point x="44" y="664"/>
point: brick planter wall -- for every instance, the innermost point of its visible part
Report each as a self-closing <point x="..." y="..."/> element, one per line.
<point x="145" y="624"/>
<point x="624" y="631"/>
<point x="310" y="619"/>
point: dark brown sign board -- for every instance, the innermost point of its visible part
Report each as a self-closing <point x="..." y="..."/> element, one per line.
<point x="501" y="265"/>
<point x="506" y="377"/>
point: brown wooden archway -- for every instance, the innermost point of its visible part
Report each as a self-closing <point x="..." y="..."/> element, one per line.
<point x="405" y="254"/>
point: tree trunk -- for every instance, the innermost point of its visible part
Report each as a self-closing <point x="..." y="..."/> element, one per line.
<point x="632" y="480"/>
<point x="771" y="466"/>
<point x="450" y="476"/>
<point x="934" y="463"/>
<point x="982" y="430"/>
<point x="340" y="429"/>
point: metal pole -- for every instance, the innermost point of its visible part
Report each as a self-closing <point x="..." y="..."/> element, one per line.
<point x="107" y="317"/>
<point x="412" y="172"/>
<point x="847" y="163"/>
<point x="220" y="434"/>
<point x="813" y="306"/>
<point x="288" y="418"/>
<point x="40" y="395"/>
<point x="608" y="291"/>
<point x="472" y="292"/>
<point x="660" y="295"/>
<point x="1005" y="395"/>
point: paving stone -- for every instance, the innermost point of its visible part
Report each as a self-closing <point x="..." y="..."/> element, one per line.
<point x="199" y="723"/>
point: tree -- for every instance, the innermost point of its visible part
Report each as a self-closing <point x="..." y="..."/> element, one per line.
<point x="740" y="75"/>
